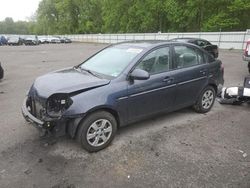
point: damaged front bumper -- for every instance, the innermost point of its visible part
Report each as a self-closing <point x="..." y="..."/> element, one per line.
<point x="31" y="118"/>
<point x="55" y="126"/>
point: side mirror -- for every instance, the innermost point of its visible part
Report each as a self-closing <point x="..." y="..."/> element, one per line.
<point x="139" y="74"/>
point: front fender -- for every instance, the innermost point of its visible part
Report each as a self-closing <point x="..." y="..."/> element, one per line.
<point x="106" y="97"/>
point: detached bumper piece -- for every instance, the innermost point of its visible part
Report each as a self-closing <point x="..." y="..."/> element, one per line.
<point x="236" y="95"/>
<point x="55" y="127"/>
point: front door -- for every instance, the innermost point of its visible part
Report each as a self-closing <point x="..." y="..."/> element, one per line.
<point x="156" y="94"/>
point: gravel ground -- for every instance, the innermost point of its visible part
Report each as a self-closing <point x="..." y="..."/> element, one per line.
<point x="179" y="149"/>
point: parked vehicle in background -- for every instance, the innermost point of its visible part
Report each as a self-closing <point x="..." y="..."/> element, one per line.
<point x="246" y="54"/>
<point x="61" y="39"/>
<point x="22" y="38"/>
<point x="31" y="40"/>
<point x="15" y="40"/>
<point x="43" y="39"/>
<point x="1" y="71"/>
<point x="3" y="40"/>
<point x="121" y="84"/>
<point x="65" y="40"/>
<point x="55" y="40"/>
<point x="48" y="39"/>
<point x="211" y="48"/>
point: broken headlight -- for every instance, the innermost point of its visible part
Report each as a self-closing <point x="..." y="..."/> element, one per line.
<point x="57" y="104"/>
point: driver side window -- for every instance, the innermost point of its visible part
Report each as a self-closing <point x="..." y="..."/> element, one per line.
<point x="156" y="61"/>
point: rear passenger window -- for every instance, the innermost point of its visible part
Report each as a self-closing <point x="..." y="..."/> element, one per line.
<point x="186" y="57"/>
<point x="156" y="61"/>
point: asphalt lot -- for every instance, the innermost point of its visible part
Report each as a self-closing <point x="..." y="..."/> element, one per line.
<point x="180" y="149"/>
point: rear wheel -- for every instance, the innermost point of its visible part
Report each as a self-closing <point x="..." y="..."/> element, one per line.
<point x="205" y="100"/>
<point x="97" y="131"/>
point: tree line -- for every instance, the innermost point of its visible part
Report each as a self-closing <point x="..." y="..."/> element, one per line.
<point x="133" y="16"/>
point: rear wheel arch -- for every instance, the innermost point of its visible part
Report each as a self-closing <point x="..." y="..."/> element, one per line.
<point x="215" y="87"/>
<point x="210" y="83"/>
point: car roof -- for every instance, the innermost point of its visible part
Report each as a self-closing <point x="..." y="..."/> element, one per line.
<point x="144" y="43"/>
<point x="187" y="39"/>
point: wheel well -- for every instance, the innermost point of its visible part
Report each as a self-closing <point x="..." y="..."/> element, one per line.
<point x="74" y="127"/>
<point x="215" y="87"/>
<point x="111" y="111"/>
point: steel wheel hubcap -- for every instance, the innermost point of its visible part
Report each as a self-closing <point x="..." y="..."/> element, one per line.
<point x="99" y="132"/>
<point x="207" y="99"/>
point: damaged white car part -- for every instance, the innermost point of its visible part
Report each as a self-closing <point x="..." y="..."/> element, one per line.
<point x="236" y="95"/>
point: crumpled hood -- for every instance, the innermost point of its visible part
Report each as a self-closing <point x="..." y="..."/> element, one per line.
<point x="65" y="81"/>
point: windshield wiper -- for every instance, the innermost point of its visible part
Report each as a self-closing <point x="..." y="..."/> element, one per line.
<point x="90" y="72"/>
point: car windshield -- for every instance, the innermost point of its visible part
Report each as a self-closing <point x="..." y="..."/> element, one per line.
<point x="111" y="61"/>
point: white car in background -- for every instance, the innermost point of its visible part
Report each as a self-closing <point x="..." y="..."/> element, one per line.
<point x="43" y="39"/>
<point x="54" y="40"/>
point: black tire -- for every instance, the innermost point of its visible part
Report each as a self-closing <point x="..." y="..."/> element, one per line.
<point x="87" y="125"/>
<point x="201" y="106"/>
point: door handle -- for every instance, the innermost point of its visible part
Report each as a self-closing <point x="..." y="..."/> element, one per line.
<point x="168" y="80"/>
<point x="203" y="72"/>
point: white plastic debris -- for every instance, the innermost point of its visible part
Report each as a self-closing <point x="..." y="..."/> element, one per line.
<point x="244" y="154"/>
<point x="128" y="176"/>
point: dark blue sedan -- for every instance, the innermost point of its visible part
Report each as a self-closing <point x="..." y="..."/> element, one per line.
<point x="121" y="84"/>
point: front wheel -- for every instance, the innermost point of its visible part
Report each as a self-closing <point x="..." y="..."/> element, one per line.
<point x="205" y="100"/>
<point x="97" y="131"/>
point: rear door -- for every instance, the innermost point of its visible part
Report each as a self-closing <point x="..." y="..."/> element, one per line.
<point x="191" y="74"/>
